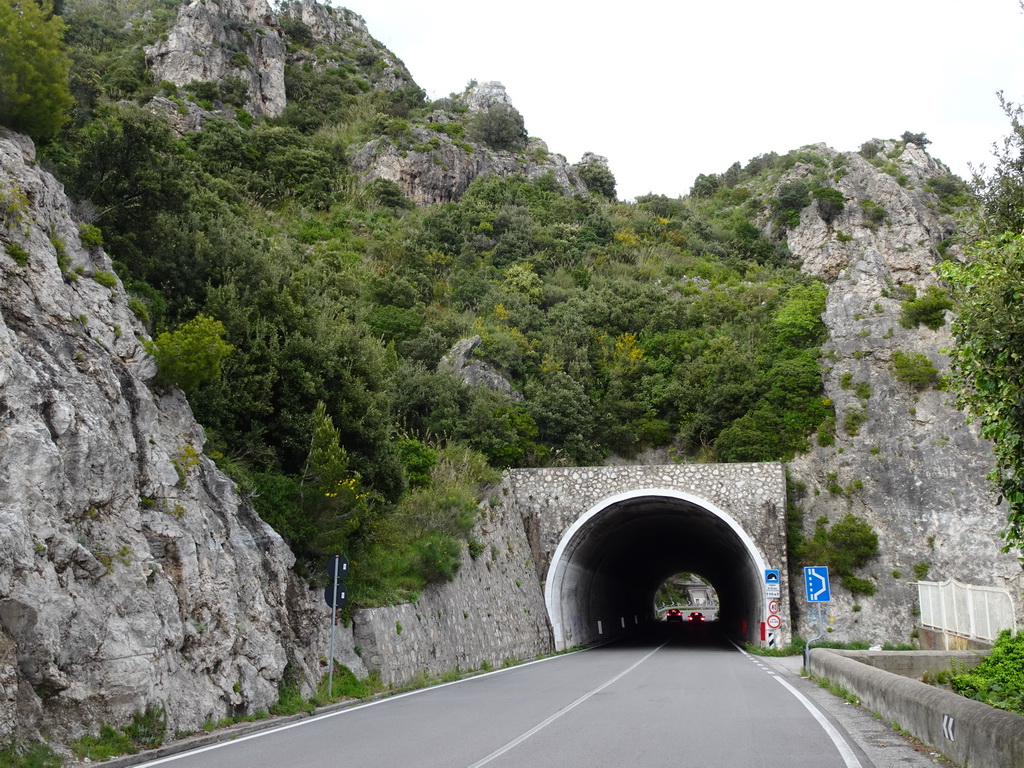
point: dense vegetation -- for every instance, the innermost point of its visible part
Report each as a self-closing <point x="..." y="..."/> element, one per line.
<point x="306" y="313"/>
<point x="999" y="679"/>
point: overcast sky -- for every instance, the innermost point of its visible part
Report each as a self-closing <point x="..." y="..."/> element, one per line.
<point x="668" y="89"/>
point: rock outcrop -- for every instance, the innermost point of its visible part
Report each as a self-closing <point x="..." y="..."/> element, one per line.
<point x="131" y="573"/>
<point x="460" y="364"/>
<point x="436" y="164"/>
<point x="906" y="460"/>
<point x="212" y="41"/>
<point x="227" y="38"/>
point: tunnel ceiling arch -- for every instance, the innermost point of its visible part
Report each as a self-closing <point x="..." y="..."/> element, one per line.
<point x="603" y="575"/>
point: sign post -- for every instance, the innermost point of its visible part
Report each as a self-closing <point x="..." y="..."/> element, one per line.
<point x="818" y="591"/>
<point x="335" y="595"/>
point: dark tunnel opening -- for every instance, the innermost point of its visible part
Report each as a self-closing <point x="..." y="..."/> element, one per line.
<point x="605" y="572"/>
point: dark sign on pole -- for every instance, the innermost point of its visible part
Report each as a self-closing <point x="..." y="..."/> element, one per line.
<point x="335" y="596"/>
<point x="337" y="567"/>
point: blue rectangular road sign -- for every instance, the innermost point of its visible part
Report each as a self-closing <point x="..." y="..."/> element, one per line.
<point x="816" y="583"/>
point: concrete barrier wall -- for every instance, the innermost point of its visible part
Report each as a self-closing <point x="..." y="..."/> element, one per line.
<point x="914" y="664"/>
<point x="968" y="732"/>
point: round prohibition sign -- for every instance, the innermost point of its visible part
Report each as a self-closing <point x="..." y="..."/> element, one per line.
<point x="773" y="606"/>
<point x="774" y="622"/>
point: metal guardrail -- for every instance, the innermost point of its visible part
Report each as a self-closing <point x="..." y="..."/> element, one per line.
<point x="966" y="610"/>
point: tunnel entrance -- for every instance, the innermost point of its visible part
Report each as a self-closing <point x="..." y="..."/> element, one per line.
<point x="604" y="574"/>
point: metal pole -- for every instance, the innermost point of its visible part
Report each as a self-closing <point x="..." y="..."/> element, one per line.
<point x="334" y="620"/>
<point x="807" y="647"/>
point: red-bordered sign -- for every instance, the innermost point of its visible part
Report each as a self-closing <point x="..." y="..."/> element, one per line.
<point x="773" y="606"/>
<point x="774" y="622"/>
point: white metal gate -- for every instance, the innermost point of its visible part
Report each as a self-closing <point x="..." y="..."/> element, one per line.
<point x="966" y="610"/>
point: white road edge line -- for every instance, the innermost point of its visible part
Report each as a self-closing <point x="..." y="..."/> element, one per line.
<point x="314" y="718"/>
<point x="540" y="726"/>
<point x="845" y="750"/>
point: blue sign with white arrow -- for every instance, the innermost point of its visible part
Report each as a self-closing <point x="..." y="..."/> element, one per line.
<point x="816" y="583"/>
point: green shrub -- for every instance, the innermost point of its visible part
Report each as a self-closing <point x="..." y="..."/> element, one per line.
<point x="109" y="743"/>
<point x="999" y="679"/>
<point x="499" y="127"/>
<point x="830" y="203"/>
<point x="874" y="214"/>
<point x="346" y="685"/>
<point x="106" y="279"/>
<point x="192" y="354"/>
<point x="921" y="570"/>
<point x="388" y="194"/>
<point x="869" y="149"/>
<point x="90" y="236"/>
<point x="858" y="585"/>
<point x="845" y="546"/>
<point x="915" y="369"/>
<point x="440" y="556"/>
<point x="16" y="252"/>
<point x="928" y="310"/>
<point x="34" y="95"/>
<point x="290" y="701"/>
<point x="598" y="179"/>
<point x="853" y="419"/>
<point x="792" y="197"/>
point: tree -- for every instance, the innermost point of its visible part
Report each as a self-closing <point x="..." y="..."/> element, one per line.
<point x="34" y="94"/>
<point x="988" y="367"/>
<point x="499" y="127"/>
<point x="916" y="138"/>
<point x="598" y="179"/>
<point x="705" y="185"/>
<point x="192" y="354"/>
<point x="1002" y="194"/>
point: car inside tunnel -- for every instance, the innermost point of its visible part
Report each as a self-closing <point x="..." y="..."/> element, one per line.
<point x="606" y="570"/>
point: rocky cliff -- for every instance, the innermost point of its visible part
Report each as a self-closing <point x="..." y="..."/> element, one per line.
<point x="904" y="458"/>
<point x="131" y="574"/>
<point x="211" y="41"/>
<point x="434" y="164"/>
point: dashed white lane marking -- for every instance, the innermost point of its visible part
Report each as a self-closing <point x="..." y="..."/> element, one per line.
<point x="540" y="726"/>
<point x="845" y="750"/>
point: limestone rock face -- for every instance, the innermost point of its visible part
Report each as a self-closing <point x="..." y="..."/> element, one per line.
<point x="347" y="31"/>
<point x="431" y="165"/>
<point x="131" y="573"/>
<point x="474" y="373"/>
<point x="226" y="38"/>
<point x="914" y="468"/>
<point x="482" y="96"/>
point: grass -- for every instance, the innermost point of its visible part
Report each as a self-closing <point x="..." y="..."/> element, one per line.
<point x="836" y="689"/>
<point x="110" y="742"/>
<point x="36" y="755"/>
<point x="146" y="731"/>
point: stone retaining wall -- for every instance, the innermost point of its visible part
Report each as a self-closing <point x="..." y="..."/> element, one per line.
<point x="491" y="612"/>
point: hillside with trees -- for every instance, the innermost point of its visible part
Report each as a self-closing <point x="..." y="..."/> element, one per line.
<point x="305" y="307"/>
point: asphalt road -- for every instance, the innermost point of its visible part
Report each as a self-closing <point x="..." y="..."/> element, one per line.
<point x="679" y="697"/>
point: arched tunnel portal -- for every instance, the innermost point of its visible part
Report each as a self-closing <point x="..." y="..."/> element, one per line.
<point x="609" y="563"/>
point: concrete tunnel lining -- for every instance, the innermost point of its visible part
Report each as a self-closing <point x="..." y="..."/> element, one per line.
<point x="610" y="561"/>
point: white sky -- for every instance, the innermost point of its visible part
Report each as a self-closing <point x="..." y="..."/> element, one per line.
<point x="668" y="89"/>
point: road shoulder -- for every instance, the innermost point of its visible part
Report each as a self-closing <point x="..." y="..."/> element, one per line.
<point x="881" y="744"/>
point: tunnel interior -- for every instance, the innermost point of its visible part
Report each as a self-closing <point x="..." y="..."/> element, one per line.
<point x="606" y="570"/>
